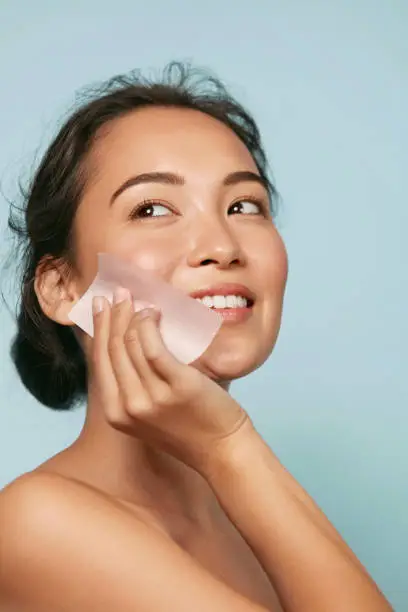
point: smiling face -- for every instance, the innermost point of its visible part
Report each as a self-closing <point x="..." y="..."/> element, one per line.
<point x="176" y="192"/>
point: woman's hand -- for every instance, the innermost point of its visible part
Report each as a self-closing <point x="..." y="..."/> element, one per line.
<point x="147" y="393"/>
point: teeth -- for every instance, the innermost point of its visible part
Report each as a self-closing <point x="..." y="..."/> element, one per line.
<point x="207" y="301"/>
<point x="224" y="301"/>
<point x="219" y="301"/>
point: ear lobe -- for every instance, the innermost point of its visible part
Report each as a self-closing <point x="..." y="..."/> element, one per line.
<point x="55" y="291"/>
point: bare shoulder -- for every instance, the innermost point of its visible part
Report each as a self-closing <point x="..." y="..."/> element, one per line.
<point x="60" y="540"/>
<point x="41" y="500"/>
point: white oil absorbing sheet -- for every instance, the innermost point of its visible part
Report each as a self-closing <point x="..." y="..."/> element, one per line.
<point x="186" y="326"/>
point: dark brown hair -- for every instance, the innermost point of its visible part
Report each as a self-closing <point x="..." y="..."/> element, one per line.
<point x="47" y="355"/>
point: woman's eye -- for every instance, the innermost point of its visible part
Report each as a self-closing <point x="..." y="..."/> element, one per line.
<point x="150" y="209"/>
<point x="246" y="207"/>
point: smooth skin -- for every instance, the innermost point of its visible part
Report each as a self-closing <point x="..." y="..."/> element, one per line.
<point x="289" y="534"/>
<point x="160" y="435"/>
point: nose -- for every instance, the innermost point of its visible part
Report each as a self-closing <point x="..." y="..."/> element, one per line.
<point x="215" y="244"/>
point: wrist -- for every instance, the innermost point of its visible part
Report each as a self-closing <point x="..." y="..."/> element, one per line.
<point x="231" y="454"/>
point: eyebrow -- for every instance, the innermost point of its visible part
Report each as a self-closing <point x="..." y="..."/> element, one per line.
<point x="169" y="178"/>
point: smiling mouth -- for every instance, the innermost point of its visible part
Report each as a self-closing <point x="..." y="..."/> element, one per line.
<point x="226" y="302"/>
<point x="234" y="302"/>
<point x="232" y="308"/>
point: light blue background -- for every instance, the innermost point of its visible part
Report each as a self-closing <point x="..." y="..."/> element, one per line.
<point x="328" y="84"/>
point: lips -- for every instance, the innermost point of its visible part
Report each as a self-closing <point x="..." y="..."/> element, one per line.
<point x="239" y="312"/>
<point x="226" y="289"/>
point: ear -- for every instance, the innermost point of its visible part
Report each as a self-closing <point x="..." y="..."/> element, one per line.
<point x="55" y="289"/>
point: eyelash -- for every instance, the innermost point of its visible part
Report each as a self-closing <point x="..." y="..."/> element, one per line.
<point x="146" y="204"/>
<point x="263" y="209"/>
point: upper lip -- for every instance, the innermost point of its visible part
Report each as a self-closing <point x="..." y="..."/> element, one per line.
<point x="225" y="289"/>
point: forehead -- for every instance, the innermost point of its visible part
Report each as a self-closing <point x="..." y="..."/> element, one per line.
<point x="181" y="140"/>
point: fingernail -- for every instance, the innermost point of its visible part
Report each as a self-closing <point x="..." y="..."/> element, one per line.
<point x="98" y="304"/>
<point x="120" y="295"/>
<point x="145" y="313"/>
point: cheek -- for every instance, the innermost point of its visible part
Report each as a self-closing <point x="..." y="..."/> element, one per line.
<point x="160" y="255"/>
<point x="280" y="266"/>
<point x="161" y="263"/>
<point x="270" y="262"/>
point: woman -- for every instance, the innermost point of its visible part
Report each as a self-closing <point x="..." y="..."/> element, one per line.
<point x="169" y="499"/>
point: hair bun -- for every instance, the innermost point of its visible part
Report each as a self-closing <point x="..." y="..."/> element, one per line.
<point x="56" y="377"/>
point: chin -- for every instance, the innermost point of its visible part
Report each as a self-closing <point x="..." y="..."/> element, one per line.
<point x="226" y="366"/>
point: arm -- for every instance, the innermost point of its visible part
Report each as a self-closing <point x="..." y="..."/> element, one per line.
<point x="66" y="546"/>
<point x="311" y="568"/>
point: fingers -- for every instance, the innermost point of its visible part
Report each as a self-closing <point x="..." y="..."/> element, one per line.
<point x="134" y="371"/>
<point x="149" y="377"/>
<point x="156" y="354"/>
<point x="103" y="376"/>
<point x="133" y="393"/>
<point x="155" y="380"/>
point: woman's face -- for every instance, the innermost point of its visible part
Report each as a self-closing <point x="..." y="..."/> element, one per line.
<point x="202" y="230"/>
